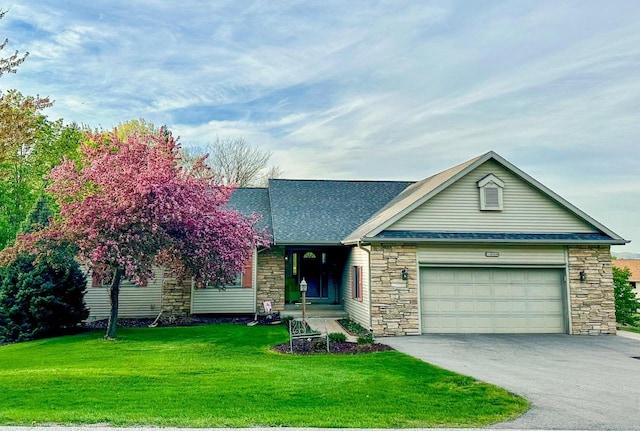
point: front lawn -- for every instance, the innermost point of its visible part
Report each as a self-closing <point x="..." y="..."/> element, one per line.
<point x="227" y="376"/>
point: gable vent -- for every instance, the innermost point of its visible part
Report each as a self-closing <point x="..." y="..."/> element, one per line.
<point x="490" y="188"/>
<point x="491" y="197"/>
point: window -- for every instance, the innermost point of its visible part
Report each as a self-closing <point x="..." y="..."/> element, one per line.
<point x="490" y="188"/>
<point x="237" y="283"/>
<point x="99" y="281"/>
<point x="356" y="282"/>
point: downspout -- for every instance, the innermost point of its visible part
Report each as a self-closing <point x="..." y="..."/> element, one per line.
<point x="359" y="244"/>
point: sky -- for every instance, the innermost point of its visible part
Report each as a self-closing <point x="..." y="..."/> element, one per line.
<point x="393" y="90"/>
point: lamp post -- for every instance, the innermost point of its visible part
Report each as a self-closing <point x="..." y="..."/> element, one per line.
<point x="303" y="290"/>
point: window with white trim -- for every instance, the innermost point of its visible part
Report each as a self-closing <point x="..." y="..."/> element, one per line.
<point x="491" y="193"/>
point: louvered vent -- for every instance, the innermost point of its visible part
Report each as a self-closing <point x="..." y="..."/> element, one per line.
<point x="491" y="197"/>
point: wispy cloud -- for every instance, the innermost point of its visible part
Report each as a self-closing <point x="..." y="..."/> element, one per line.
<point x="394" y="90"/>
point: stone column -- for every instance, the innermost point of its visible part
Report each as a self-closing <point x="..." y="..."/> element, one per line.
<point x="176" y="296"/>
<point x="270" y="278"/>
<point x="394" y="301"/>
<point x="592" y="301"/>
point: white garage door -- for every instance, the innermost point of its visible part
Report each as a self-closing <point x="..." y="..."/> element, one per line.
<point x="492" y="300"/>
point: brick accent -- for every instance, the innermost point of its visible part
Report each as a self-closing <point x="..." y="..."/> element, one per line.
<point x="270" y="278"/>
<point x="176" y="296"/>
<point x="592" y="301"/>
<point x="394" y="301"/>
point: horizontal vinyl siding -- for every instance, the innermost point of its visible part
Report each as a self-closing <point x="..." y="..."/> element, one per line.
<point x="476" y="255"/>
<point x="358" y="311"/>
<point x="230" y="301"/>
<point x="457" y="209"/>
<point x="133" y="301"/>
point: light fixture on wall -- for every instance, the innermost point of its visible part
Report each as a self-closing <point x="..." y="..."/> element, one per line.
<point x="405" y="273"/>
<point x="583" y="276"/>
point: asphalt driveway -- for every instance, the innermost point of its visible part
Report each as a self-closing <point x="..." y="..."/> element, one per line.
<point x="572" y="382"/>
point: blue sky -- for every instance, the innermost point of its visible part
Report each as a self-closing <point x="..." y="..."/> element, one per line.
<point x="361" y="89"/>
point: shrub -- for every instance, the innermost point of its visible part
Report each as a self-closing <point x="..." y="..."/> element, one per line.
<point x="337" y="337"/>
<point x="365" y="339"/>
<point x="352" y="327"/>
<point x="626" y="302"/>
<point x="41" y="296"/>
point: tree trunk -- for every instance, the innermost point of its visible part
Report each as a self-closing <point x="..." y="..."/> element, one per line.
<point x="114" y="291"/>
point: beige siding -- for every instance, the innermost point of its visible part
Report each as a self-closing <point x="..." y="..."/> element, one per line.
<point x="358" y="310"/>
<point x="230" y="301"/>
<point x="134" y="301"/>
<point x="457" y="209"/>
<point x="477" y="255"/>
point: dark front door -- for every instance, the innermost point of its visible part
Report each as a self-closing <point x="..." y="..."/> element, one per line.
<point x="311" y="270"/>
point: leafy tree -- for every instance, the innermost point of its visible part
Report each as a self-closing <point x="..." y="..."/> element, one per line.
<point x="235" y="162"/>
<point x="11" y="63"/>
<point x="41" y="296"/>
<point x="20" y="120"/>
<point x="626" y="302"/>
<point x="39" y="217"/>
<point x="130" y="206"/>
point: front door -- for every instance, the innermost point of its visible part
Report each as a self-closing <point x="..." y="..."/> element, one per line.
<point x="311" y="270"/>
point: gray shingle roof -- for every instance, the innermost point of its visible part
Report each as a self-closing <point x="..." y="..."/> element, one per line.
<point x="324" y="212"/>
<point x="253" y="200"/>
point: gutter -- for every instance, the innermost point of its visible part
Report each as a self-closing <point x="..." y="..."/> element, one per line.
<point x="498" y="241"/>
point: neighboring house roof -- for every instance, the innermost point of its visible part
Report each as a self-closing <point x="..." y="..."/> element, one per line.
<point x="423" y="191"/>
<point x="253" y="200"/>
<point x="632" y="264"/>
<point x="324" y="211"/>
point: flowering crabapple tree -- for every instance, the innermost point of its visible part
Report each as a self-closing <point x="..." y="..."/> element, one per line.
<point x="129" y="205"/>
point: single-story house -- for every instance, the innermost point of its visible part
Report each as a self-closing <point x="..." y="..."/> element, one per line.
<point x="481" y="247"/>
<point x="634" y="267"/>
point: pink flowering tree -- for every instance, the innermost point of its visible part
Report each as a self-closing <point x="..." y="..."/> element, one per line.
<point x="130" y="206"/>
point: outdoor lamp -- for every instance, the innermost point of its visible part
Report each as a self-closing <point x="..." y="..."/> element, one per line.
<point x="405" y="273"/>
<point x="583" y="276"/>
<point x="303" y="285"/>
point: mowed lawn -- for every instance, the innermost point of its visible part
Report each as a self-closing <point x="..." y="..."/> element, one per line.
<point x="227" y="376"/>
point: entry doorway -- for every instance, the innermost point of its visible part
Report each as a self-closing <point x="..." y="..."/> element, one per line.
<point x="321" y="268"/>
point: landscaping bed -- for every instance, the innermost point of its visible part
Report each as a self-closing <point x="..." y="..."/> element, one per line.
<point x="304" y="347"/>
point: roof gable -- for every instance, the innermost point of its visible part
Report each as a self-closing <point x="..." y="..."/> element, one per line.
<point x="426" y="193"/>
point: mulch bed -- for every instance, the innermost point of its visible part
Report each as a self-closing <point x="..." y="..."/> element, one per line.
<point x="164" y="321"/>
<point x="303" y="347"/>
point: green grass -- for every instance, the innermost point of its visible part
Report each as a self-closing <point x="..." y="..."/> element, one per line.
<point x="630" y="329"/>
<point x="227" y="376"/>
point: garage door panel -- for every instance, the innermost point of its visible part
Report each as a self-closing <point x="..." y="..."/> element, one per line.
<point x="492" y="300"/>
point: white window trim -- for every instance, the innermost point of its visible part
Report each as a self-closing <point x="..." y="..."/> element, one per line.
<point x="491" y="182"/>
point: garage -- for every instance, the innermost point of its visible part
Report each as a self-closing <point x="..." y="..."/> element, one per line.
<point x="492" y="300"/>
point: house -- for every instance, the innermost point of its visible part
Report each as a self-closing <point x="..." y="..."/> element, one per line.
<point x="481" y="247"/>
<point x="634" y="267"/>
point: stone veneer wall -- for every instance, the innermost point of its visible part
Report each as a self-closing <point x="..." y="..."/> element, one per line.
<point x="592" y="301"/>
<point x="176" y="296"/>
<point x="394" y="301"/>
<point x="270" y="278"/>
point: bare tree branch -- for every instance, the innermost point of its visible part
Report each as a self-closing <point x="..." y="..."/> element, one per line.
<point x="10" y="64"/>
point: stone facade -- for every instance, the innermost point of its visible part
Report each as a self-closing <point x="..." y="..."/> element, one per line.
<point x="394" y="301"/>
<point x="270" y="278"/>
<point x="176" y="296"/>
<point x="592" y="300"/>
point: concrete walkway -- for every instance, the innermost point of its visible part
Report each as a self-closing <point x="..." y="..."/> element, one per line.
<point x="628" y="334"/>
<point x="332" y="325"/>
